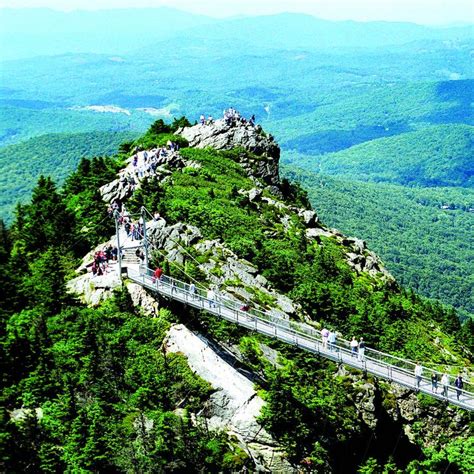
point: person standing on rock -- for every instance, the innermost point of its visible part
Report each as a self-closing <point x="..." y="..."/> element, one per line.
<point x="361" y="348"/>
<point x="459" y="384"/>
<point x="445" y="384"/>
<point x="202" y="119"/>
<point x="418" y="374"/>
<point x="354" y="347"/>
<point x="434" y="382"/>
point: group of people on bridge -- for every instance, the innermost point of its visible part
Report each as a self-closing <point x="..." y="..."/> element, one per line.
<point x="435" y="378"/>
<point x="328" y="339"/>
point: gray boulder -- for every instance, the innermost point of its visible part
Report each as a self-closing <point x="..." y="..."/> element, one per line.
<point x="221" y="136"/>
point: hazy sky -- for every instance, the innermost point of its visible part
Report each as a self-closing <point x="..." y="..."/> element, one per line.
<point x="417" y="11"/>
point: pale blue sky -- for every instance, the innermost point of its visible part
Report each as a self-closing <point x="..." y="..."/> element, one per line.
<point x="432" y="12"/>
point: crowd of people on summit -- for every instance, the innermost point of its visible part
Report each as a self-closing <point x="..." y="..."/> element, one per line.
<point x="231" y="118"/>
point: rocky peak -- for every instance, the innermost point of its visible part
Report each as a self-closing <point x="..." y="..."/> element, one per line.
<point x="223" y="136"/>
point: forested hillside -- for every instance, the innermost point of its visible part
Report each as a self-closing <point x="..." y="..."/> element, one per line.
<point x="426" y="246"/>
<point x="54" y="155"/>
<point x="433" y="156"/>
<point x="96" y="389"/>
<point x="376" y="123"/>
<point x="21" y="120"/>
<point x="383" y="110"/>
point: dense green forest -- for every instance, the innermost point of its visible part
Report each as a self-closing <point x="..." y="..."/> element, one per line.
<point x="29" y="119"/>
<point x="425" y="246"/>
<point x="434" y="156"/>
<point x="381" y="110"/>
<point x="92" y="391"/>
<point x="54" y="155"/>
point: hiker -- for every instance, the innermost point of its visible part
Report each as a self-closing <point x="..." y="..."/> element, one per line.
<point x="445" y="384"/>
<point x="354" y="347"/>
<point x="361" y="350"/>
<point x="211" y="296"/>
<point x="210" y="120"/>
<point x="157" y="274"/>
<point x="332" y="340"/>
<point x="324" y="337"/>
<point x="109" y="253"/>
<point x="140" y="255"/>
<point x="192" y="290"/>
<point x="459" y="384"/>
<point x="434" y="382"/>
<point x="418" y="374"/>
<point x="202" y="119"/>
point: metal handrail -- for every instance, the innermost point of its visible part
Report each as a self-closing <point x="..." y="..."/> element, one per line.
<point x="301" y="334"/>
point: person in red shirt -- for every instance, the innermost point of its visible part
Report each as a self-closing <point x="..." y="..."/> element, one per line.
<point x="157" y="275"/>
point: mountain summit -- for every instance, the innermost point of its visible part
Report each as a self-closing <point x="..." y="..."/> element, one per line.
<point x="162" y="381"/>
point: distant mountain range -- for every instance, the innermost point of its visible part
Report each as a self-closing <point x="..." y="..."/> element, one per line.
<point x="34" y="32"/>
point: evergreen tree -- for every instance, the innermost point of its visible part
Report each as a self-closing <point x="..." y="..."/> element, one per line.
<point x="47" y="221"/>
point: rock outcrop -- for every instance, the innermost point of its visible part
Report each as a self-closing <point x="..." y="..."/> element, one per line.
<point x="234" y="406"/>
<point x="156" y="164"/>
<point x="234" y="278"/>
<point x="221" y="136"/>
<point x="358" y="256"/>
<point x="91" y="289"/>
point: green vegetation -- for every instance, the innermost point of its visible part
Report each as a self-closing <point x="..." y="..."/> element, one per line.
<point x="18" y="124"/>
<point x="96" y="390"/>
<point x="425" y="246"/>
<point x="54" y="155"/>
<point x="316" y="276"/>
<point x="160" y="133"/>
<point x="93" y="388"/>
<point x="381" y="110"/>
<point x="434" y="156"/>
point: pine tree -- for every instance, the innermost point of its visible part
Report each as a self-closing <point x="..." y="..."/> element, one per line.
<point x="47" y="221"/>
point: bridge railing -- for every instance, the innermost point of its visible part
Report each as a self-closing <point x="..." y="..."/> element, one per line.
<point x="382" y="364"/>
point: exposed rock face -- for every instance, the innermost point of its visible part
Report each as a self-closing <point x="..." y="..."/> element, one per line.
<point x="433" y="422"/>
<point x="221" y="136"/>
<point x="235" y="405"/>
<point x="142" y="299"/>
<point x="236" y="278"/>
<point x="94" y="289"/>
<point x="137" y="169"/>
<point x="357" y="255"/>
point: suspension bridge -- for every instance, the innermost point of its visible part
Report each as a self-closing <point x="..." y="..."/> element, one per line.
<point x="385" y="366"/>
